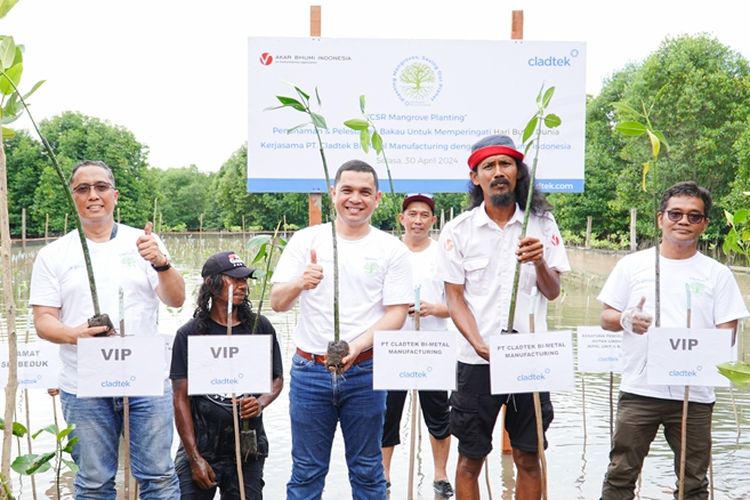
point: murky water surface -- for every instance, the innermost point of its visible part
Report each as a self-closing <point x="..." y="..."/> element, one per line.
<point x="579" y="436"/>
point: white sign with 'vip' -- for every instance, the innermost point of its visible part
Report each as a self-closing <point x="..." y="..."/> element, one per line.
<point x="121" y="366"/>
<point x="686" y="356"/>
<point x="531" y="362"/>
<point x="229" y="364"/>
<point x="410" y="359"/>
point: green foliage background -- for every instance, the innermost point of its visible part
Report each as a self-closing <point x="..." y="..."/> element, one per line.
<point x="700" y="91"/>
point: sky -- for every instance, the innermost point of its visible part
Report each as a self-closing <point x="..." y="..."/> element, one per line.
<point x="174" y="72"/>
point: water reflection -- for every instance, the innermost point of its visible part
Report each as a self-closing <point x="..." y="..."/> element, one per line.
<point x="579" y="436"/>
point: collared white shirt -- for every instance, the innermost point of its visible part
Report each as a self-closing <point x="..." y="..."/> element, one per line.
<point x="477" y="253"/>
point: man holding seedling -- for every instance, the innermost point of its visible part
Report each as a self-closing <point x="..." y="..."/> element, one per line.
<point x="206" y="457"/>
<point x="628" y="299"/>
<point x="137" y="262"/>
<point x="477" y="263"/>
<point x="375" y="292"/>
<point x="417" y="218"/>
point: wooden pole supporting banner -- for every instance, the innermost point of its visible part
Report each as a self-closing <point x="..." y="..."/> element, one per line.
<point x="633" y="220"/>
<point x="589" y="224"/>
<point x="315" y="200"/>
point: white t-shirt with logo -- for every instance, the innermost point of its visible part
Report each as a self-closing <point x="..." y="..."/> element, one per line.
<point x="477" y="253"/>
<point x="374" y="272"/>
<point x="431" y="289"/>
<point x="715" y="298"/>
<point x="59" y="279"/>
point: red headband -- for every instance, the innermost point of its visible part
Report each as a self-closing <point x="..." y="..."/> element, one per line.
<point x="487" y="151"/>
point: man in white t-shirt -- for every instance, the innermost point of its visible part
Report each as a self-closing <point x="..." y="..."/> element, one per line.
<point x="628" y="299"/>
<point x="480" y="248"/>
<point x="417" y="218"/>
<point x="122" y="257"/>
<point x="375" y="290"/>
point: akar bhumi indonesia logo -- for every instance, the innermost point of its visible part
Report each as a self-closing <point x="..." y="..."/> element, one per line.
<point x="417" y="80"/>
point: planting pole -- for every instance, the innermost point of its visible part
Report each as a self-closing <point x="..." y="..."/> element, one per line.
<point x="125" y="406"/>
<point x="235" y="415"/>
<point x="538" y="404"/>
<point x="27" y="412"/>
<point x="414" y="405"/>
<point x="315" y="200"/>
<point x="683" y="425"/>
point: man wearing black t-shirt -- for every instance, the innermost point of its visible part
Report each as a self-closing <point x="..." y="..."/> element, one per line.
<point x="206" y="457"/>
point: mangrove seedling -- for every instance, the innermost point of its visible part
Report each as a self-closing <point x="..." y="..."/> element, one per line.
<point x="532" y="134"/>
<point x="337" y="349"/>
<point x="369" y="137"/>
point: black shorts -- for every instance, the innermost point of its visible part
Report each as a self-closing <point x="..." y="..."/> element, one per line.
<point x="474" y="411"/>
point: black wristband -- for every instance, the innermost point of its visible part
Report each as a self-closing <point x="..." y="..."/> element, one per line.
<point x="161" y="269"/>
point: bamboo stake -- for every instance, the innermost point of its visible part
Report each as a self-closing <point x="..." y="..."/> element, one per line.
<point x="125" y="405"/>
<point x="538" y="403"/>
<point x="235" y="415"/>
<point x="583" y="408"/>
<point x="28" y="413"/>
<point x="414" y="403"/>
<point x="683" y="424"/>
<point x="611" y="408"/>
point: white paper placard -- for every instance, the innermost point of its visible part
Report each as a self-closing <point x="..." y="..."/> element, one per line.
<point x="38" y="365"/>
<point x="682" y="356"/>
<point x="121" y="366"/>
<point x="531" y="362"/>
<point x="599" y="350"/>
<point x="220" y="364"/>
<point x="425" y="100"/>
<point x="410" y="359"/>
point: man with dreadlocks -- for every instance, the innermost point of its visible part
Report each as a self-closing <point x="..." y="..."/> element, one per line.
<point x="480" y="248"/>
<point x="206" y="457"/>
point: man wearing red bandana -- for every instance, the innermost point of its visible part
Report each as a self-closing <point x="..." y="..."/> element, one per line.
<point x="480" y="248"/>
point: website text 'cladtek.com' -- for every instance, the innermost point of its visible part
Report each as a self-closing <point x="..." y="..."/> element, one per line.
<point x="554" y="186"/>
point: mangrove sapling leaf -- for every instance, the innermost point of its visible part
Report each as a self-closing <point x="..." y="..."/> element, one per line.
<point x="33" y="463"/>
<point x="737" y="372"/>
<point x="5" y="6"/>
<point x="337" y="346"/>
<point x="19" y="430"/>
<point x="631" y="128"/>
<point x="533" y="134"/>
<point x="370" y="137"/>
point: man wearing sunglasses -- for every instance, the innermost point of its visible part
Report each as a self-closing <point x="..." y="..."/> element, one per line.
<point x="137" y="262"/>
<point x="628" y="299"/>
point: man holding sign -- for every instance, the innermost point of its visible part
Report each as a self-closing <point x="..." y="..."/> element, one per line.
<point x="137" y="262"/>
<point x="206" y="457"/>
<point x="479" y="251"/>
<point x="417" y="217"/>
<point x="628" y="298"/>
<point x="375" y="293"/>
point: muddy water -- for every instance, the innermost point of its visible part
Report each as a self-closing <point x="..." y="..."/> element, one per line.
<point x="579" y="436"/>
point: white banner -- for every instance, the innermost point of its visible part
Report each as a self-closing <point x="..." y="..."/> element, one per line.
<point x="682" y="356"/>
<point x="409" y="359"/>
<point x="220" y="364"/>
<point x="38" y="365"/>
<point x="531" y="362"/>
<point x="121" y="366"/>
<point x="430" y="100"/>
<point x="599" y="350"/>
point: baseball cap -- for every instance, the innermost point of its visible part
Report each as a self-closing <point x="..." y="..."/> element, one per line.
<point x="423" y="197"/>
<point x="228" y="263"/>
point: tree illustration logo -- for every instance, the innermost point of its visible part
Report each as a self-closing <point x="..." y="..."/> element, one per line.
<point x="417" y="81"/>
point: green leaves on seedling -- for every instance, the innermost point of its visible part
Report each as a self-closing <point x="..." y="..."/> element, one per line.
<point x="11" y="69"/>
<point x="737" y="239"/>
<point x="549" y="120"/>
<point x="19" y="430"/>
<point x="368" y="133"/>
<point x="303" y="105"/>
<point x="635" y="124"/>
<point x="737" y="372"/>
<point x="33" y="463"/>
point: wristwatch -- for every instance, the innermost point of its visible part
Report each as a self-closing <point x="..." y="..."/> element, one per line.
<point x="161" y="269"/>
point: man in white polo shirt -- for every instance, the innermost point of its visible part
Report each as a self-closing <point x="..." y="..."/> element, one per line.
<point x="479" y="250"/>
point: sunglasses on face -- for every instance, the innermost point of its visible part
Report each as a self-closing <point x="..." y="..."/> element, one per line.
<point x="692" y="217"/>
<point x="99" y="187"/>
